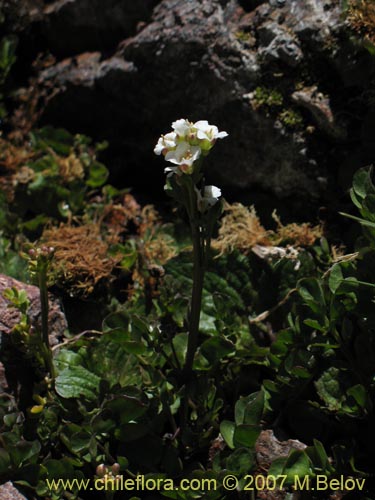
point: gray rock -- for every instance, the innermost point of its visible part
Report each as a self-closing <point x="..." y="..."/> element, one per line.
<point x="276" y="43"/>
<point x="200" y="59"/>
<point x="9" y="492"/>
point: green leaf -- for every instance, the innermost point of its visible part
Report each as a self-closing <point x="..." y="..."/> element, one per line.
<point x="335" y="278"/>
<point x="180" y="346"/>
<point x="98" y="175"/>
<point x="129" y="406"/>
<point x="66" y="358"/>
<point x="131" y="432"/>
<point x="60" y="140"/>
<point x="24" y="451"/>
<point x="249" y="410"/>
<point x="297" y="464"/>
<point x="277" y="467"/>
<point x="359" y="393"/>
<point x="321" y="453"/>
<point x="246" y="435"/>
<point x="241" y="461"/>
<point x="358" y="219"/>
<point x="216" y="348"/>
<point x="362" y="182"/>
<point x="329" y="388"/>
<point x="227" y="429"/>
<point x="4" y="461"/>
<point x="118" y="320"/>
<point x="312" y="293"/>
<point x="75" y="382"/>
<point x="368" y="207"/>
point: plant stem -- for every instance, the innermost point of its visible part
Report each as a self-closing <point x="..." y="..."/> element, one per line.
<point x="42" y="279"/>
<point x="196" y="299"/>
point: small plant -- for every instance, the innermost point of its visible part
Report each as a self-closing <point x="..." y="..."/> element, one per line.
<point x="185" y="148"/>
<point x="267" y="98"/>
<point x="291" y="118"/>
<point x="39" y="267"/>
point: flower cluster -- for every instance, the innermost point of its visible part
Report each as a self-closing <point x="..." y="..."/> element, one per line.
<point x="186" y="143"/>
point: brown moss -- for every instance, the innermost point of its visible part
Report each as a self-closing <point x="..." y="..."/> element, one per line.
<point x="81" y="257"/>
<point x="241" y="229"/>
<point x="116" y="217"/>
<point x="361" y="18"/>
<point x="300" y="235"/>
<point x="13" y="168"/>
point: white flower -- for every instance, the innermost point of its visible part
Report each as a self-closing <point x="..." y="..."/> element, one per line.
<point x="208" y="132"/>
<point x="210" y="197"/>
<point x="187" y="143"/>
<point x="181" y="127"/>
<point x="165" y="143"/>
<point x="184" y="156"/>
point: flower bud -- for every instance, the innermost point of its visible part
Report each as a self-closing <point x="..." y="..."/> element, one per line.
<point x="115" y="468"/>
<point x="101" y="470"/>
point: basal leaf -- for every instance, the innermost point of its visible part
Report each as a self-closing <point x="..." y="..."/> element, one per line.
<point x="75" y="382"/>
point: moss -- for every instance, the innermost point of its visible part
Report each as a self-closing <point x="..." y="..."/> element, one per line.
<point x="243" y="36"/>
<point x="241" y="229"/>
<point x="291" y="118"/>
<point x="265" y="97"/>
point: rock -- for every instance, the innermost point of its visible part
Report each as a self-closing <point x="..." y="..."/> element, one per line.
<point x="268" y="448"/>
<point x="277" y="44"/>
<point x="201" y="59"/>
<point x="17" y="374"/>
<point x="72" y="27"/>
<point x="319" y="106"/>
<point x="9" y="316"/>
<point x="9" y="492"/>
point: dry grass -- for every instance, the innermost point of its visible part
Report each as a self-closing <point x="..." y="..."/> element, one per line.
<point x="241" y="229"/>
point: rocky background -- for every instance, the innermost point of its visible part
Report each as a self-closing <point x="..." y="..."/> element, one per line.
<point x="287" y="79"/>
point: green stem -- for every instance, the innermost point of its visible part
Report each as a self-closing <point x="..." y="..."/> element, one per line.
<point x="196" y="299"/>
<point x="42" y="278"/>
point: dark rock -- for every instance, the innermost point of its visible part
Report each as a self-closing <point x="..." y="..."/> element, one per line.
<point x="319" y="106"/>
<point x="201" y="60"/>
<point x="71" y="27"/>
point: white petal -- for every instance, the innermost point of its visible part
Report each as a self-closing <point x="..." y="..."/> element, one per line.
<point x="221" y="135"/>
<point x="170" y="139"/>
<point x="159" y="148"/>
<point x="201" y="125"/>
<point x="212" y="192"/>
<point x="181" y="127"/>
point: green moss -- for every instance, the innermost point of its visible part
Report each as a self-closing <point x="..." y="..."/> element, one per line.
<point x="267" y="97"/>
<point x="291" y="118"/>
<point x="243" y="36"/>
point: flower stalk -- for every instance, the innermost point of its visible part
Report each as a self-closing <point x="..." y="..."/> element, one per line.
<point x="39" y="265"/>
<point x="184" y="148"/>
